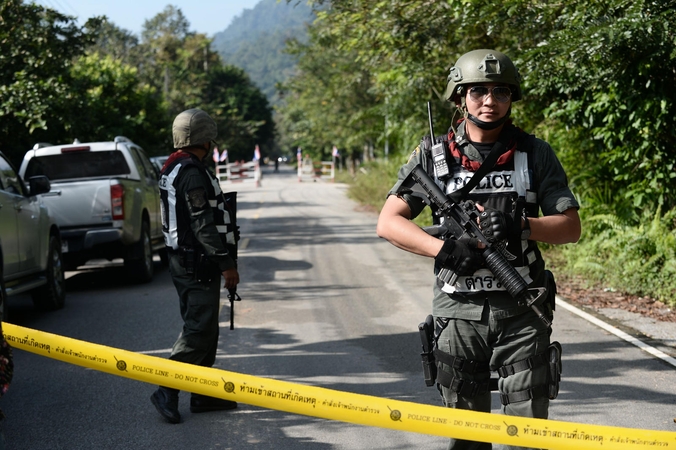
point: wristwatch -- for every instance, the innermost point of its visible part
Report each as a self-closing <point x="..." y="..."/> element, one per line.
<point x="525" y="231"/>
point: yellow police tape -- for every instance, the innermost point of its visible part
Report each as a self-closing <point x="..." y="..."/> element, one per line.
<point x="336" y="405"/>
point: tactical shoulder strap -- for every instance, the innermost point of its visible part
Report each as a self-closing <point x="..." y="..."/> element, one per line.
<point x="488" y="164"/>
<point x="525" y="143"/>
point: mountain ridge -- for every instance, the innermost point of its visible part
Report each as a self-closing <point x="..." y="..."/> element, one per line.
<point x="255" y="42"/>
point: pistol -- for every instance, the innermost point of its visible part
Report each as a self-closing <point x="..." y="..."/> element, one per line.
<point x="426" y="330"/>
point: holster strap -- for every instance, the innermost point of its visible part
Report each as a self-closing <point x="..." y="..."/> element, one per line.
<point x="524" y="364"/>
<point x="526" y="394"/>
<point x="466" y="388"/>
<point x="461" y="364"/>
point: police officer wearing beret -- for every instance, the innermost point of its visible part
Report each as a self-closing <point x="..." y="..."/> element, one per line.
<point x="198" y="230"/>
<point x="523" y="199"/>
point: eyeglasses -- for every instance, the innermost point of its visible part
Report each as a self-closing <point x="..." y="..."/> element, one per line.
<point x="501" y="94"/>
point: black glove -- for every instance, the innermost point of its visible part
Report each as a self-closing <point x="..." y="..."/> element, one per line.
<point x="460" y="257"/>
<point x="495" y="225"/>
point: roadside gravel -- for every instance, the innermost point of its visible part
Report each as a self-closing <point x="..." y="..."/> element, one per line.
<point x="648" y="318"/>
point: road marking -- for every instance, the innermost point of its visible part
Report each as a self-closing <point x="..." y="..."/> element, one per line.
<point x="619" y="333"/>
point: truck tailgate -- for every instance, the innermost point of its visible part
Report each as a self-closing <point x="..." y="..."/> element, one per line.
<point x="80" y="203"/>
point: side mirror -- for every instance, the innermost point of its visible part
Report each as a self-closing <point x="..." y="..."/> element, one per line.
<point x="39" y="184"/>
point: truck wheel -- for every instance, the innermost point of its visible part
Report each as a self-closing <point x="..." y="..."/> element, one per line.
<point x="52" y="296"/>
<point x="139" y="264"/>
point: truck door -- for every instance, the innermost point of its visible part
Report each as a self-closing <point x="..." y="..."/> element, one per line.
<point x="19" y="221"/>
<point x="151" y="191"/>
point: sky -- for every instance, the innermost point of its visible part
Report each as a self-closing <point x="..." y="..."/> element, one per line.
<point x="205" y="16"/>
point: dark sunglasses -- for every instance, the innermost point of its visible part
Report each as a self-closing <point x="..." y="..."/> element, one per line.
<point x="501" y="94"/>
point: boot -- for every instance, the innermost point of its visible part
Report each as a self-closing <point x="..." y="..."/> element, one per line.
<point x="166" y="403"/>
<point x="202" y="403"/>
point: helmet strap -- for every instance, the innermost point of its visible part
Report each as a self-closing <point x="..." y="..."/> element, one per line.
<point x="487" y="125"/>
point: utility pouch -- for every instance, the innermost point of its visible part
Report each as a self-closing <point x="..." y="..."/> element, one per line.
<point x="197" y="264"/>
<point x="186" y="257"/>
<point x="555" y="368"/>
<point x="205" y="269"/>
<point x="426" y="330"/>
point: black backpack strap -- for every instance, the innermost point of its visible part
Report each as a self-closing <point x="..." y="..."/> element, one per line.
<point x="525" y="144"/>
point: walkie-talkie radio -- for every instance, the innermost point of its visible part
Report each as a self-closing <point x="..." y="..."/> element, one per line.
<point x="439" y="152"/>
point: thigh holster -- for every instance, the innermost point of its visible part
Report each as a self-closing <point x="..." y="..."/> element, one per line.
<point x="464" y="387"/>
<point x="551" y="358"/>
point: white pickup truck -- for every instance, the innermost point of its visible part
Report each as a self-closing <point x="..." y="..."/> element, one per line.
<point x="105" y="200"/>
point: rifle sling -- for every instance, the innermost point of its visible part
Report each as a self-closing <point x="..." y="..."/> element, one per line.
<point x="488" y="164"/>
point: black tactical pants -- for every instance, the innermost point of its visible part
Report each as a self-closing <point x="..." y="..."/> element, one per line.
<point x="199" y="305"/>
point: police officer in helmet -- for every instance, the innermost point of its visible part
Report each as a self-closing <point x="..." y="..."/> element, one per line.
<point x="198" y="232"/>
<point x="524" y="199"/>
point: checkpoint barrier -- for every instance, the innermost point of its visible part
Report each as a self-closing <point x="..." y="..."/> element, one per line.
<point x="328" y="170"/>
<point x="336" y="405"/>
<point x="239" y="172"/>
<point x="316" y="169"/>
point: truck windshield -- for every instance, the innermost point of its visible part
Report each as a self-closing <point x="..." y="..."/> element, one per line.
<point x="78" y="165"/>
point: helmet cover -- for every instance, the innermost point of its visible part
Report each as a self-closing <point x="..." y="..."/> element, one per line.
<point x="193" y="127"/>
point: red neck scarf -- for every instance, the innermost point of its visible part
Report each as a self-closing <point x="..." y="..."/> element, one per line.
<point x="173" y="157"/>
<point x="472" y="165"/>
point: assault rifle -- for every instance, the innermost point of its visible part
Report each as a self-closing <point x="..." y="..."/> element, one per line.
<point x="233" y="296"/>
<point x="460" y="219"/>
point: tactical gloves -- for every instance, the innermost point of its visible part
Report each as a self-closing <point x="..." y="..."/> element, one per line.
<point x="496" y="225"/>
<point x="460" y="256"/>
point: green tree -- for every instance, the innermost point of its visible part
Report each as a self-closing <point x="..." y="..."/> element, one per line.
<point x="242" y="112"/>
<point x="329" y="103"/>
<point x="37" y="48"/>
<point x="162" y="39"/>
<point x="597" y="82"/>
<point x="596" y="79"/>
<point x="111" y="102"/>
<point x="193" y="76"/>
<point x="119" y="44"/>
<point x="609" y="72"/>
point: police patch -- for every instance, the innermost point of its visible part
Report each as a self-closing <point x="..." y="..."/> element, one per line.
<point x="414" y="153"/>
<point x="197" y="198"/>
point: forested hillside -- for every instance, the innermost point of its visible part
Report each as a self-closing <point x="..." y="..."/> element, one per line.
<point x="256" y="40"/>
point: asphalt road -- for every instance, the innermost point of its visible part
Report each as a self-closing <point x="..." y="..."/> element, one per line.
<point x="325" y="303"/>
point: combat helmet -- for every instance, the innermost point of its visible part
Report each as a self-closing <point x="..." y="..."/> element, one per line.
<point x="482" y="66"/>
<point x="193" y="127"/>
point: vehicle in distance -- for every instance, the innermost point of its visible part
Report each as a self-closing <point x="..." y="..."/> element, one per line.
<point x="158" y="161"/>
<point x="30" y="243"/>
<point x="105" y="200"/>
